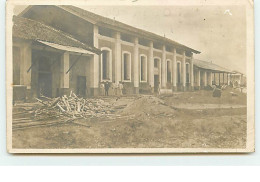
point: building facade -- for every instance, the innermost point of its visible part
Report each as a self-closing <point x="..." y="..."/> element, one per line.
<point x="106" y="51"/>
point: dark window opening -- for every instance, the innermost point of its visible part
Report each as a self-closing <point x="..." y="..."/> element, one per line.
<point x="127" y="38"/>
<point x="168" y="48"/>
<point x="178" y="51"/>
<point x="105" y="32"/>
<point x="127" y="66"/>
<point x="143" y="68"/>
<point x="143" y="42"/>
<point x="157" y="45"/>
<point x="156" y="63"/>
<point x="168" y="71"/>
<point x="178" y="72"/>
<point x="187" y="73"/>
<point x="105" y="65"/>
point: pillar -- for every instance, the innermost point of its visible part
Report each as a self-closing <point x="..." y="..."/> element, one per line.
<point x="65" y="77"/>
<point x="136" y="66"/>
<point x="163" y="67"/>
<point x="174" y="71"/>
<point x="26" y="62"/>
<point x="191" y="73"/>
<point x="205" y="79"/>
<point x="219" y="79"/>
<point x="198" y="79"/>
<point x="183" y="75"/>
<point x="151" y="65"/>
<point x="94" y="65"/>
<point x="223" y="78"/>
<point x="118" y="57"/>
<point x="227" y="79"/>
<point x="210" y="78"/>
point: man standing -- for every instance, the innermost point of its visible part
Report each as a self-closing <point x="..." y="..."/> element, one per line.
<point x="106" y="88"/>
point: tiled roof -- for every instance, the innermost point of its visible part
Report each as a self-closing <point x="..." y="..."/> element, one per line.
<point x="32" y="30"/>
<point x="210" y="66"/>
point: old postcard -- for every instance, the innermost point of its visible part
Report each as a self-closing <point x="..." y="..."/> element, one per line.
<point x="130" y="76"/>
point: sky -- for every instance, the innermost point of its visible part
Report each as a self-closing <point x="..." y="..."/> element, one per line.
<point x="218" y="32"/>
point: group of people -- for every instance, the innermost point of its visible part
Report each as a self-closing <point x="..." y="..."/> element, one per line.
<point x="117" y="88"/>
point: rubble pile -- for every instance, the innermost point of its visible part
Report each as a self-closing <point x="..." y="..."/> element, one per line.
<point x="72" y="107"/>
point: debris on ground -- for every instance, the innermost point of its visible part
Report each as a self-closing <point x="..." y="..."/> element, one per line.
<point x="72" y="106"/>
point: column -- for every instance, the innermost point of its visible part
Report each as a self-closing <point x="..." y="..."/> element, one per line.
<point x="219" y="79"/>
<point x="198" y="79"/>
<point x="183" y="66"/>
<point x="118" y="57"/>
<point x="151" y="65"/>
<point x="205" y="79"/>
<point x="136" y="66"/>
<point x="191" y="73"/>
<point x="227" y="79"/>
<point x="65" y="77"/>
<point x="26" y="63"/>
<point x="94" y="65"/>
<point x="163" y="67"/>
<point x="210" y="78"/>
<point x="174" y="71"/>
<point x="223" y="78"/>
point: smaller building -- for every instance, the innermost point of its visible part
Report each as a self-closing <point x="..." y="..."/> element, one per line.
<point x="238" y="79"/>
<point x="208" y="74"/>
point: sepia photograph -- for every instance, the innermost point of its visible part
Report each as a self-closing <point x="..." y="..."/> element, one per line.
<point x="130" y="78"/>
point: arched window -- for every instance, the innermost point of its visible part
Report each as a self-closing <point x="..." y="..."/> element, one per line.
<point x="106" y="64"/>
<point x="178" y="72"/>
<point x="187" y="73"/>
<point x="169" y="71"/>
<point x="143" y="68"/>
<point x="126" y="66"/>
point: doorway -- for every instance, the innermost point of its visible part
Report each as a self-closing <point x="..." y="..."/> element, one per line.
<point x="44" y="77"/>
<point x="81" y="86"/>
<point x="45" y="84"/>
<point x="156" y="83"/>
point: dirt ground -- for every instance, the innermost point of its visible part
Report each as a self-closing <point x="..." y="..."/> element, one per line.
<point x="180" y="120"/>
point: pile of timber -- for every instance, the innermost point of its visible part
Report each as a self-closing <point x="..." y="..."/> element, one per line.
<point x="72" y="106"/>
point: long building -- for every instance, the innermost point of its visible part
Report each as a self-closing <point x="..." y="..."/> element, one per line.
<point x="57" y="49"/>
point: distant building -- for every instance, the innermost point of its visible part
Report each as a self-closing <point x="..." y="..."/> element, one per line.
<point x="238" y="79"/>
<point x="61" y="48"/>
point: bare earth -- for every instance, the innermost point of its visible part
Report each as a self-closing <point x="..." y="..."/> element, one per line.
<point x="180" y="120"/>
